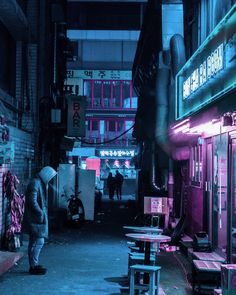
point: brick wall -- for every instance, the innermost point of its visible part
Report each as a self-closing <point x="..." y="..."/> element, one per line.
<point x="19" y="73"/>
<point x="29" y="117"/>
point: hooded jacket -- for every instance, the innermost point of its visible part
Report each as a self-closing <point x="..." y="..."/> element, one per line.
<point x="35" y="220"/>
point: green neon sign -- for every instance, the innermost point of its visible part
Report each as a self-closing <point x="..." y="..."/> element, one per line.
<point x="210" y="72"/>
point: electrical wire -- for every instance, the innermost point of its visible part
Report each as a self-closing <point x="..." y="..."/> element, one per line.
<point x="108" y="141"/>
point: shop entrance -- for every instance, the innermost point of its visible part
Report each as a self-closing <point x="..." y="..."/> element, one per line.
<point x="233" y="201"/>
<point x="208" y="190"/>
<point x="216" y="218"/>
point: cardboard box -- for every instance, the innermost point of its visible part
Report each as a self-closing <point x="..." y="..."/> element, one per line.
<point x="228" y="279"/>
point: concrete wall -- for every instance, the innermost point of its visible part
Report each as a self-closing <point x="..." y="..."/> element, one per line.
<point x="22" y="124"/>
<point x="104" y="49"/>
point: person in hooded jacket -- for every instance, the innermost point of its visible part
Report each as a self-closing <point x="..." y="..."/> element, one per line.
<point x="111" y="186"/>
<point x="35" y="221"/>
<point x="118" y="184"/>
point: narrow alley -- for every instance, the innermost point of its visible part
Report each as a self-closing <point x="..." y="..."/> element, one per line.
<point x="91" y="260"/>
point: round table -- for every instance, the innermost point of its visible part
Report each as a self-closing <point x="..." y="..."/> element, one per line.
<point x="148" y="239"/>
<point x="144" y="229"/>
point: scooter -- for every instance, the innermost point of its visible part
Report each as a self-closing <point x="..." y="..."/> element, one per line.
<point x="75" y="211"/>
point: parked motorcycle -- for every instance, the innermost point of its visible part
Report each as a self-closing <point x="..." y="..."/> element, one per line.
<point x="75" y="211"/>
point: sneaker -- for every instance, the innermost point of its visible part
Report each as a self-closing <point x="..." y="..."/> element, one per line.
<point x="37" y="270"/>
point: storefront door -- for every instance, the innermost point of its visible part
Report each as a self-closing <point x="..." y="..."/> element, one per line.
<point x="216" y="219"/>
<point x="220" y="193"/>
<point x="208" y="190"/>
<point x="233" y="201"/>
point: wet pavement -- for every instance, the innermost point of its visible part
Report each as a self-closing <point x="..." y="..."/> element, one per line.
<point x="92" y="260"/>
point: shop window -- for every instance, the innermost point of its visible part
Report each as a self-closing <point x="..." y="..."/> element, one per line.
<point x="120" y="126"/>
<point x="129" y="124"/>
<point x="94" y="125"/>
<point x="112" y="126"/>
<point x="102" y="129"/>
<point x="106" y="93"/>
<point x="116" y="94"/>
<point x="126" y="94"/>
<point x="196" y="165"/>
<point x="88" y="92"/>
<point x="97" y="93"/>
<point x="87" y="125"/>
<point x="110" y="94"/>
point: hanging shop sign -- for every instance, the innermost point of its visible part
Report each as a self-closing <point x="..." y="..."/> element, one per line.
<point x="76" y="116"/>
<point x="100" y="74"/>
<point x="73" y="85"/>
<point x="115" y="153"/>
<point x="211" y="71"/>
<point x="74" y="79"/>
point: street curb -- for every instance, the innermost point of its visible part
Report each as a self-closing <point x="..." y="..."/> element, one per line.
<point x="8" y="260"/>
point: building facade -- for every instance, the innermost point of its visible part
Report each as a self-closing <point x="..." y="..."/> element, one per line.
<point x="100" y="69"/>
<point x="196" y="126"/>
<point x="26" y="81"/>
<point x="205" y="106"/>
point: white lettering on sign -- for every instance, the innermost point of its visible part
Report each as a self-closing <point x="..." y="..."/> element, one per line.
<point x="100" y="74"/>
<point x="212" y="65"/>
<point x="76" y="115"/>
<point x="117" y="153"/>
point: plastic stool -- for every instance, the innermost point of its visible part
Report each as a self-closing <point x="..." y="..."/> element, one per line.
<point x="138" y="259"/>
<point x="154" y="278"/>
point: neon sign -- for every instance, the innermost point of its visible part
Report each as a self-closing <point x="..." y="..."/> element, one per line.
<point x="210" y="66"/>
<point x="116" y="153"/>
<point x="210" y="73"/>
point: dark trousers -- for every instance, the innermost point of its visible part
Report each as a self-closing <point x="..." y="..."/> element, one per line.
<point x="34" y="248"/>
<point x="111" y="193"/>
<point x="118" y="192"/>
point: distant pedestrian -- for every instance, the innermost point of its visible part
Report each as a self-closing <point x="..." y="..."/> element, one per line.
<point x="35" y="221"/>
<point x="111" y="186"/>
<point x="119" y="182"/>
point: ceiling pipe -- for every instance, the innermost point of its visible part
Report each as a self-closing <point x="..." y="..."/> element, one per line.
<point x="153" y="176"/>
<point x="163" y="79"/>
<point x="14" y="19"/>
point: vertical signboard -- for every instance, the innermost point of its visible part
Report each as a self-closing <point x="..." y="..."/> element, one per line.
<point x="76" y="116"/>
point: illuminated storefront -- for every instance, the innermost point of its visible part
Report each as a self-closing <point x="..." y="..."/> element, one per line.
<point x="110" y="111"/>
<point x="117" y="159"/>
<point x="205" y="114"/>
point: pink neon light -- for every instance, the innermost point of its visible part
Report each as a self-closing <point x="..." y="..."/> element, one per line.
<point x="212" y="127"/>
<point x="182" y="128"/>
<point x="180" y="123"/>
<point x="130" y="93"/>
<point x="102" y="95"/>
<point x="208" y="128"/>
